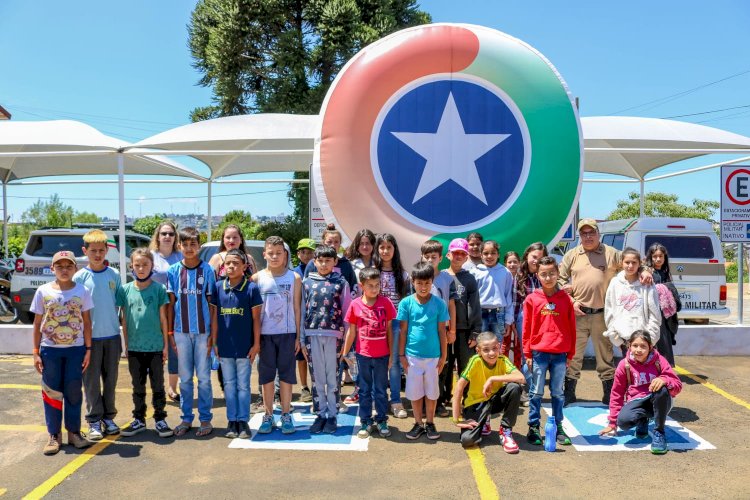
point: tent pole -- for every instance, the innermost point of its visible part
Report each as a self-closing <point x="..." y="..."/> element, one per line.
<point x="5" y="219"/>
<point x="643" y="196"/>
<point x="208" y="218"/>
<point x="121" y="209"/>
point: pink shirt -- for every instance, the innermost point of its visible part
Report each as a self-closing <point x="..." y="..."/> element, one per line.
<point x="371" y="323"/>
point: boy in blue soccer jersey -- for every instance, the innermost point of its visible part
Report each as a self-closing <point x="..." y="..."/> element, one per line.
<point x="190" y="283"/>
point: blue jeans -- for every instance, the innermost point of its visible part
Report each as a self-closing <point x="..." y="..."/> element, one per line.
<point x="373" y="379"/>
<point x="193" y="356"/>
<point x="555" y="364"/>
<point x="524" y="368"/>
<point x="394" y="374"/>
<point x="62" y="379"/>
<point x="493" y="320"/>
<point x="237" y="388"/>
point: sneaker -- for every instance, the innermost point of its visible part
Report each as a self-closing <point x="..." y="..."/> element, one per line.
<point x="364" y="431"/>
<point x="267" y="425"/>
<point x="287" y="425"/>
<point x="383" y="429"/>
<point x="641" y="430"/>
<point x="317" y="426"/>
<point x="110" y="427"/>
<point x="163" y="429"/>
<point x="561" y="437"/>
<point x="353" y="398"/>
<point x="441" y="411"/>
<point x="533" y="436"/>
<point x="415" y="432"/>
<point x="133" y="428"/>
<point x="53" y="445"/>
<point x="231" y="430"/>
<point x="431" y="431"/>
<point x="342" y="407"/>
<point x="524" y="398"/>
<point x="398" y="410"/>
<point x="95" y="431"/>
<point x="506" y="439"/>
<point x="658" y="443"/>
<point x="244" y="430"/>
<point x="330" y="426"/>
<point x="305" y="396"/>
<point x="487" y="429"/>
<point x="77" y="440"/>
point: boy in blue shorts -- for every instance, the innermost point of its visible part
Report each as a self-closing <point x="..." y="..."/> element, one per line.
<point x="100" y="380"/>
<point x="423" y="349"/>
<point x="190" y="283"/>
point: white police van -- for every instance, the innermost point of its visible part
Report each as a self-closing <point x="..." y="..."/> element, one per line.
<point x="696" y="259"/>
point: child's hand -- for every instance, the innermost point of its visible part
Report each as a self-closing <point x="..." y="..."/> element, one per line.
<point x="174" y="345"/>
<point x="656" y="384"/>
<point x="529" y="362"/>
<point x="610" y="430"/>
<point x="209" y="344"/>
<point x="487" y="389"/>
<point x="451" y="336"/>
<point x="508" y="330"/>
<point x="254" y="351"/>
<point x="297" y="346"/>
<point x="165" y="355"/>
<point x="405" y="364"/>
<point x="38" y="363"/>
<point x="86" y="361"/>
<point x="441" y="365"/>
<point x="304" y="352"/>
<point x="467" y="424"/>
<point x="577" y="309"/>
<point x="390" y="362"/>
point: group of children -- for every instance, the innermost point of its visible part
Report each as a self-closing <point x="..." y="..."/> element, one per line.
<point x="362" y="307"/>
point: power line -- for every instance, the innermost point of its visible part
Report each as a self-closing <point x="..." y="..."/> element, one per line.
<point x="663" y="100"/>
<point x="92" y="115"/>
<point x="707" y="112"/>
<point x="159" y="198"/>
<point x="110" y="132"/>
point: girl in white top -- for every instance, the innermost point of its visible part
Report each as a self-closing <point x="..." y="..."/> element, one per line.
<point x="360" y="254"/>
<point x="630" y="306"/>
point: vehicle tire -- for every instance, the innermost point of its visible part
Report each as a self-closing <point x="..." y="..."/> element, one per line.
<point x="8" y="313"/>
<point x="696" y="321"/>
<point x="26" y="317"/>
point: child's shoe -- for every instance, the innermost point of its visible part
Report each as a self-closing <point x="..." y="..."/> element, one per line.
<point x="243" y="430"/>
<point x="534" y="436"/>
<point x="163" y="429"/>
<point x="110" y="427"/>
<point x="287" y="425"/>
<point x="95" y="431"/>
<point x="364" y="430"/>
<point x="383" y="429"/>
<point x="398" y="410"/>
<point x="353" y="398"/>
<point x="431" y="431"/>
<point x="133" y="428"/>
<point x="305" y="396"/>
<point x="561" y="437"/>
<point x="487" y="429"/>
<point x="641" y="430"/>
<point x="415" y="431"/>
<point x="506" y="439"/>
<point x="267" y="425"/>
<point x="317" y="426"/>
<point x="330" y="426"/>
<point x="441" y="411"/>
<point x="231" y="430"/>
<point x="658" y="443"/>
<point x="53" y="445"/>
<point x="76" y="439"/>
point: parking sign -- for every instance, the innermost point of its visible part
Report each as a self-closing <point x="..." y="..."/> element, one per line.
<point x="735" y="203"/>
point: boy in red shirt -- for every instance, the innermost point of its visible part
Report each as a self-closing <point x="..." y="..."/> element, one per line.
<point x="549" y="319"/>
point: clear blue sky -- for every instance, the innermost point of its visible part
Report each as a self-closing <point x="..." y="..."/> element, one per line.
<point x="125" y="69"/>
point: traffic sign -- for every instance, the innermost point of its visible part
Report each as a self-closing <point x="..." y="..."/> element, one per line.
<point x="735" y="203"/>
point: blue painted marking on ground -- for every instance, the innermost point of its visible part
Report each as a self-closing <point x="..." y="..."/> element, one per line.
<point x="303" y="418"/>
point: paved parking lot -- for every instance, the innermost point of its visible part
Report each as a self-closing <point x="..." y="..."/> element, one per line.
<point x="713" y="405"/>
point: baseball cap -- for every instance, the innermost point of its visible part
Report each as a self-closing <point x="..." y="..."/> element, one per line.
<point x="63" y="255"/>
<point x="459" y="245"/>
<point x="588" y="222"/>
<point x="306" y="243"/>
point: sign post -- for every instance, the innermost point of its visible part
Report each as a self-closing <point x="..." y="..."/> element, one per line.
<point x="735" y="218"/>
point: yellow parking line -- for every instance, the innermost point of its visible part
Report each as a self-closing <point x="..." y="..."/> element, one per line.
<point x="485" y="484"/>
<point x="711" y="386"/>
<point x="24" y="428"/>
<point x="3" y="491"/>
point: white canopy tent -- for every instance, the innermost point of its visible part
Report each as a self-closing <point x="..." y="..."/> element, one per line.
<point x="63" y="147"/>
<point x="239" y="145"/>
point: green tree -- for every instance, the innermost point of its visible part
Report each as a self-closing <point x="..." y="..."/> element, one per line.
<point x="147" y="225"/>
<point x="86" y="217"/>
<point x="50" y="213"/>
<point x="663" y="205"/>
<point x="281" y="56"/>
<point x="240" y="218"/>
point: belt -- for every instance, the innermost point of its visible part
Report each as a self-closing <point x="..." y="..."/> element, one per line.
<point x="589" y="310"/>
<point x="494" y="309"/>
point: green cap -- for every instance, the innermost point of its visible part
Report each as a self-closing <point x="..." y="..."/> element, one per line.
<point x="306" y="243"/>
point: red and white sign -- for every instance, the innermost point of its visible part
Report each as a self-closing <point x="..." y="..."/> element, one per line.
<point x="735" y="203"/>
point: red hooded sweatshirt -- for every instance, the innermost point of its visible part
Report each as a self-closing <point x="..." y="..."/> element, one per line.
<point x="549" y="324"/>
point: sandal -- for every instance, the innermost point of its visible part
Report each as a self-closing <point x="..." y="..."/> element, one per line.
<point x="182" y="429"/>
<point x="204" y="430"/>
<point x="174" y="397"/>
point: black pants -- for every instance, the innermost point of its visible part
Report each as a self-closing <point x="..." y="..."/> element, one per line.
<point x="151" y="365"/>
<point x="445" y="378"/>
<point x="656" y="405"/>
<point x="462" y="350"/>
<point x="506" y="400"/>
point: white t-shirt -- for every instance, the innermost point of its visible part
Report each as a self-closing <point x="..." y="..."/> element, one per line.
<point x="62" y="314"/>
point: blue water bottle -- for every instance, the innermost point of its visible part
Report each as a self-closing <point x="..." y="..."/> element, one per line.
<point x="550" y="434"/>
<point x="214" y="361"/>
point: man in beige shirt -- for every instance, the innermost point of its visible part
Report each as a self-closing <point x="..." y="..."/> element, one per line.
<point x="585" y="273"/>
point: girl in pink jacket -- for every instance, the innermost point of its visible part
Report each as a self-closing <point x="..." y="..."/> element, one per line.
<point x="644" y="386"/>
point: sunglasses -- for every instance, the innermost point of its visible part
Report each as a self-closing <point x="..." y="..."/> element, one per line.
<point x="166" y="234"/>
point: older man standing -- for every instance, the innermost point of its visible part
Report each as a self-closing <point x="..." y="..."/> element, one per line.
<point x="585" y="273"/>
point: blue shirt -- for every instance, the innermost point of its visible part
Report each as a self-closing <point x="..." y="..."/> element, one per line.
<point x="235" y="316"/>
<point x="105" y="288"/>
<point x="192" y="288"/>
<point x="423" y="339"/>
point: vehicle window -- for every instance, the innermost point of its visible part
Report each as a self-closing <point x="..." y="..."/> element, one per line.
<point x="46" y="245"/>
<point x="608" y="239"/>
<point x="619" y="241"/>
<point x="684" y="247"/>
<point x="257" y="255"/>
<point x="131" y="242"/>
<point x="207" y="252"/>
